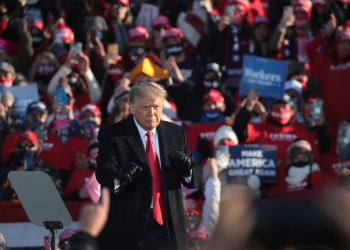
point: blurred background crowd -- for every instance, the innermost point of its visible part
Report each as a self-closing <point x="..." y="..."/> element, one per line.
<point x="84" y="55"/>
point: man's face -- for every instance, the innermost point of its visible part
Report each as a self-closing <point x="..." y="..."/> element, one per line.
<point x="39" y="115"/>
<point x="147" y="112"/>
<point x="197" y="244"/>
<point x="261" y="32"/>
<point x="211" y="105"/>
<point x="89" y="116"/>
<point x="8" y="104"/>
<point x="5" y="74"/>
<point x="27" y="145"/>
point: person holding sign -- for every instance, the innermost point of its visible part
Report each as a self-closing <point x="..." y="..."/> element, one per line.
<point x="305" y="178"/>
<point x="279" y="129"/>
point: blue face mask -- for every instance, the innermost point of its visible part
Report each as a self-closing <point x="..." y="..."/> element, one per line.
<point x="343" y="142"/>
<point x="212" y="114"/>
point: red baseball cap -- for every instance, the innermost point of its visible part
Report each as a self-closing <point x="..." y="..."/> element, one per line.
<point x="194" y="205"/>
<point x="213" y="95"/>
<point x="92" y="108"/>
<point x="175" y="33"/>
<point x="244" y="4"/>
<point x="161" y="20"/>
<point x="35" y="24"/>
<point x="198" y="233"/>
<point x="138" y="32"/>
<point x="4" y="46"/>
<point x="261" y="19"/>
<point x="302" y="6"/>
<point x="124" y="2"/>
<point x="26" y="134"/>
<point x="66" y="234"/>
<point x="63" y="32"/>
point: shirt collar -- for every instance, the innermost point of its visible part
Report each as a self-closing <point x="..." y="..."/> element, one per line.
<point x="141" y="130"/>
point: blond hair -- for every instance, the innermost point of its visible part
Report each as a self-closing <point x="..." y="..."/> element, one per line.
<point x="147" y="90"/>
<point x="44" y="55"/>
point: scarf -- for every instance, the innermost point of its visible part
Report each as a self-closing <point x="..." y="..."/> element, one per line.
<point x="297" y="175"/>
<point x="121" y="36"/>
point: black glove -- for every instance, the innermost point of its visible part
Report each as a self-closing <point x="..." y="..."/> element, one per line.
<point x="127" y="173"/>
<point x="203" y="148"/>
<point x="181" y="162"/>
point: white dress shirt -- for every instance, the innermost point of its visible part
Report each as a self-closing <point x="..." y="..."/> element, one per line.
<point x="155" y="143"/>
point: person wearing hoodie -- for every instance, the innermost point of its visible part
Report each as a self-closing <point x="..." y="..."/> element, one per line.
<point x="200" y="137"/>
<point x="305" y="179"/>
<point x="279" y="129"/>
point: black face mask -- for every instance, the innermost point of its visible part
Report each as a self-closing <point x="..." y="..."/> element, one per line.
<point x="137" y="50"/>
<point x="92" y="166"/>
<point x="175" y="50"/>
<point x="37" y="38"/>
<point x="191" y="224"/>
<point x="301" y="164"/>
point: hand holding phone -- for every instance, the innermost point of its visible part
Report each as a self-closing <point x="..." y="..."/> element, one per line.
<point x="113" y="51"/>
<point x="28" y="161"/>
<point x="61" y="97"/>
<point x="317" y="110"/>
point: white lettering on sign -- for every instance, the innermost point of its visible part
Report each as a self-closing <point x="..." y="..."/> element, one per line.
<point x="252" y="163"/>
<point x="186" y="73"/>
<point x="282" y="137"/>
<point x="340" y="66"/>
<point x="252" y="153"/>
<point x="340" y="165"/>
<point x="261" y="75"/>
<point x="296" y="187"/>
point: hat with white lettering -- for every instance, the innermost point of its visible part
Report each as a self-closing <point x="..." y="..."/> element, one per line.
<point x="138" y="32"/>
<point x="198" y="233"/>
<point x="35" y="24"/>
<point x="342" y="33"/>
<point x="36" y="106"/>
<point x="213" y="95"/>
<point x="162" y="21"/>
<point x="91" y="108"/>
<point x="294" y="84"/>
<point x="175" y="33"/>
<point x="225" y="132"/>
<point x="194" y="206"/>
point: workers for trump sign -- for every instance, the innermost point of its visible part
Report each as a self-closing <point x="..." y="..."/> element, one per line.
<point x="252" y="159"/>
<point x="268" y="75"/>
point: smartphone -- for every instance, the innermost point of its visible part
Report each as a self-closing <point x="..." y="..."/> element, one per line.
<point x="61" y="97"/>
<point x="76" y="48"/>
<point x="93" y="36"/>
<point x="287" y="10"/>
<point x="47" y="242"/>
<point x="223" y="149"/>
<point x="28" y="161"/>
<point x="230" y="10"/>
<point x="166" y="82"/>
<point x="113" y="49"/>
<point x="317" y="109"/>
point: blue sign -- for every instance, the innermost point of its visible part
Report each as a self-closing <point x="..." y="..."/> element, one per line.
<point x="269" y="75"/>
<point x="24" y="95"/>
<point x="252" y="159"/>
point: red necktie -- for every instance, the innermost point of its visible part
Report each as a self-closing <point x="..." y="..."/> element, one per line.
<point x="156" y="173"/>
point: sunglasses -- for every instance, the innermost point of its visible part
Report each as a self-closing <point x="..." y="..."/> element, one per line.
<point x="24" y="145"/>
<point x="190" y="214"/>
<point x="159" y="28"/>
<point x="118" y="5"/>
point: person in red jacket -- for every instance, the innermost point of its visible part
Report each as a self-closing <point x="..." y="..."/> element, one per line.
<point x="90" y="120"/>
<point x="339" y="157"/>
<point x="200" y="137"/>
<point x="332" y="69"/>
<point x="305" y="179"/>
<point x="75" y="191"/>
<point x="279" y="129"/>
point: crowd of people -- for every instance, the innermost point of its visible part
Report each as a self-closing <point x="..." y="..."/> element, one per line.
<point x="84" y="56"/>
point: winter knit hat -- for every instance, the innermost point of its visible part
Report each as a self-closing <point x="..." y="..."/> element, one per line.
<point x="225" y="132"/>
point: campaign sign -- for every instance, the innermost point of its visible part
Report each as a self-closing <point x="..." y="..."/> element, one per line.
<point x="269" y="75"/>
<point x="24" y="95"/>
<point x="252" y="159"/>
<point x="93" y="188"/>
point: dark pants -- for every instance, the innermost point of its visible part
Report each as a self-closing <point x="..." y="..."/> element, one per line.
<point x="157" y="237"/>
